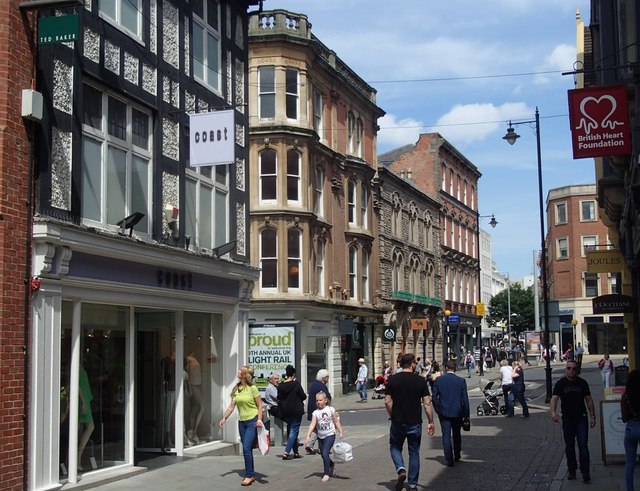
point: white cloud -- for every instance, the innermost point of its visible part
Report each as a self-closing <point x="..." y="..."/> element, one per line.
<point x="470" y="123"/>
<point x="397" y="132"/>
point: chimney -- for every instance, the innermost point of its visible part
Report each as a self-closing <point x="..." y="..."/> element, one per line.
<point x="408" y="173"/>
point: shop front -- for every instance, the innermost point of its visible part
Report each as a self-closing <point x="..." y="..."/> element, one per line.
<point x="126" y="357"/>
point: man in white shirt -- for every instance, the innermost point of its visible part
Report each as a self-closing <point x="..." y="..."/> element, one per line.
<point x="361" y="380"/>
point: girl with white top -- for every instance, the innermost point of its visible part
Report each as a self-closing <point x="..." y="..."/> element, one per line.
<point x="326" y="420"/>
<point x="506" y="379"/>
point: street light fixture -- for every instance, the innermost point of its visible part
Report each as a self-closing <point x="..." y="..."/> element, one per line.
<point x="511" y="138"/>
<point x="493" y="222"/>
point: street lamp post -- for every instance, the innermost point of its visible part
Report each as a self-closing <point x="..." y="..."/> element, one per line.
<point x="511" y="138"/>
<point x="445" y="338"/>
<point x="493" y="222"/>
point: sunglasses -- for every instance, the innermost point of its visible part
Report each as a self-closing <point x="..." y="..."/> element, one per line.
<point x="572" y="368"/>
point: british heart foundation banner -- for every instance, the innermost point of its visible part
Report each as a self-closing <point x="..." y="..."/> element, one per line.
<point x="599" y="119"/>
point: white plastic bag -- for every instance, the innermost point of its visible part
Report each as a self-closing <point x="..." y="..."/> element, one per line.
<point x="342" y="452"/>
<point x="263" y="440"/>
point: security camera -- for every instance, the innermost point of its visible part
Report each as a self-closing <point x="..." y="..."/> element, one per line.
<point x="171" y="214"/>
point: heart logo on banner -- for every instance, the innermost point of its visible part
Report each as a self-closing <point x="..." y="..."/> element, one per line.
<point x="596" y="109"/>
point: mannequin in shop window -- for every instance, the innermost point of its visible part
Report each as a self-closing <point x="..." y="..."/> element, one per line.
<point x="194" y="372"/>
<point x="85" y="417"/>
<point x="168" y="371"/>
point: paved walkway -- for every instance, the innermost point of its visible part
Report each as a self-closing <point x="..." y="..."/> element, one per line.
<point x="498" y="453"/>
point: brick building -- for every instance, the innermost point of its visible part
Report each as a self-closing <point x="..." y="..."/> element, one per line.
<point x="443" y="173"/>
<point x="16" y="73"/>
<point x="574" y="226"/>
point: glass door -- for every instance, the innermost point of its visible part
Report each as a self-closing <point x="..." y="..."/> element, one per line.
<point x="155" y="392"/>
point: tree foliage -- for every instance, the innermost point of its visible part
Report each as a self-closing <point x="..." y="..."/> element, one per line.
<point x="522" y="309"/>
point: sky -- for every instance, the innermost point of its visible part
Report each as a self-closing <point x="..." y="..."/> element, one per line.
<point x="464" y="69"/>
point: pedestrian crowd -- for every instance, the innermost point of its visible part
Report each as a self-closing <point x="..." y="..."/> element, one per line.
<point x="415" y="389"/>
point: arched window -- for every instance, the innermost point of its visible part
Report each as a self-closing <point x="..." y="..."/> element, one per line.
<point x="294" y="260"/>
<point x="318" y="205"/>
<point x="397" y="277"/>
<point x="396" y="213"/>
<point x="353" y="272"/>
<point x="414" y="277"/>
<point x="351" y="202"/>
<point x="365" y="275"/>
<point x="359" y="135"/>
<point x="364" y="204"/>
<point x="351" y="128"/>
<point x="320" y="280"/>
<point x="268" y="259"/>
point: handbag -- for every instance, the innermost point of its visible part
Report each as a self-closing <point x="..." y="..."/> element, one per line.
<point x="342" y="452"/>
<point x="466" y="424"/>
<point x="263" y="440"/>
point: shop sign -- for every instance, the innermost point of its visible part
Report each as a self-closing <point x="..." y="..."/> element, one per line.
<point x="58" y="29"/>
<point x="419" y="324"/>
<point x="612" y="304"/>
<point x="604" y="262"/>
<point x="212" y="138"/>
<point x="389" y="334"/>
<point x="599" y="119"/>
<point x="271" y="349"/>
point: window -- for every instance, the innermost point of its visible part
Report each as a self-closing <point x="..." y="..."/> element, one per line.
<point x="458" y="188"/>
<point x="427" y="232"/>
<point x="116" y="160"/>
<point x="464" y="192"/>
<point x="126" y="14"/>
<point x="396" y="226"/>
<point x="562" y="248"/>
<point x="364" y="203"/>
<point x="206" y="43"/>
<point x="294" y="264"/>
<point x="353" y="272"/>
<point x="589" y="243"/>
<point x="319" y="192"/>
<point x="267" y="92"/>
<point x="293" y="176"/>
<point x="414" y="277"/>
<point x="351" y="202"/>
<point x="268" y="176"/>
<point x="473" y="198"/>
<point x="444" y="179"/>
<point x="351" y="122"/>
<point x="590" y="284"/>
<point x="320" y="253"/>
<point x="359" y="135"/>
<point x="613" y="283"/>
<point x="292" y="97"/>
<point x="365" y="275"/>
<point x="451" y="182"/>
<point x="318" y="110"/>
<point x="561" y="213"/>
<point x="588" y="211"/>
<point x="397" y="275"/>
<point x="268" y="259"/>
<point x="207" y="206"/>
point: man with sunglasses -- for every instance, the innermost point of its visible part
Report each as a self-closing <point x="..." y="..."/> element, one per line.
<point x="573" y="392"/>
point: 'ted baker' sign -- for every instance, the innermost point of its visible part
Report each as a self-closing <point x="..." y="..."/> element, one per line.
<point x="212" y="138"/>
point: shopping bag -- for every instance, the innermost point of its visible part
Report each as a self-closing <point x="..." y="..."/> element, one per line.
<point x="342" y="452"/>
<point x="466" y="424"/>
<point x="263" y="440"/>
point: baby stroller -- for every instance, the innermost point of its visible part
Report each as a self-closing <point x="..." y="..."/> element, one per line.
<point x="491" y="404"/>
<point x="379" y="388"/>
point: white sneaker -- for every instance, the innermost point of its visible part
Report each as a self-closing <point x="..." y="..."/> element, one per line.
<point x="325" y="478"/>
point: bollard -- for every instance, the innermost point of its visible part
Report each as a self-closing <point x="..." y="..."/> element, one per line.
<point x="276" y="431"/>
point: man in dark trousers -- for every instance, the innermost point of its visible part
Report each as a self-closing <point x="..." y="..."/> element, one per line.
<point x="573" y="393"/>
<point x="451" y="402"/>
<point x="404" y="392"/>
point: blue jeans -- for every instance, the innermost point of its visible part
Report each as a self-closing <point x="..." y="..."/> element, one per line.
<point x="248" y="435"/>
<point x="631" y="440"/>
<point x="451" y="431"/>
<point x="508" y="398"/>
<point x="413" y="435"/>
<point x="293" y="427"/>
<point x="576" y="429"/>
<point x="518" y="396"/>
<point x="469" y="369"/>
<point x="361" y="387"/>
<point x="325" y="445"/>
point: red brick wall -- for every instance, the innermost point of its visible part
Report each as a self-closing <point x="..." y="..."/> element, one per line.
<point x="16" y="65"/>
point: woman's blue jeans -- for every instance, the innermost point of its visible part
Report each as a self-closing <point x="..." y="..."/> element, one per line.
<point x="631" y="440"/>
<point x="325" y="445"/>
<point x="248" y="435"/>
<point x="293" y="427"/>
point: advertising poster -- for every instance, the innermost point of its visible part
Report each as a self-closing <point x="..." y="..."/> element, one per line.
<point x="533" y="343"/>
<point x="271" y="349"/>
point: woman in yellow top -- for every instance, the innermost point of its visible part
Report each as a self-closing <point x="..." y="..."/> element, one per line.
<point x="246" y="397"/>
